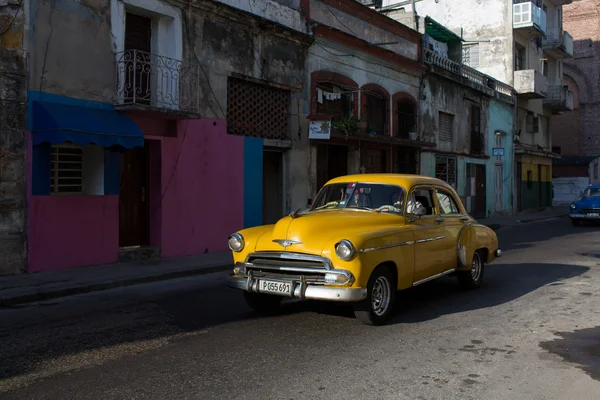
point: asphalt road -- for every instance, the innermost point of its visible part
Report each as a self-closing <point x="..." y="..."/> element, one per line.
<point x="532" y="332"/>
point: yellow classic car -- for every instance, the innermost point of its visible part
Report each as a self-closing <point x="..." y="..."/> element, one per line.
<point x="364" y="238"/>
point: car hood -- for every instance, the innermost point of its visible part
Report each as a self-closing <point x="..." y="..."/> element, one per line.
<point x="588" y="202"/>
<point x="316" y="231"/>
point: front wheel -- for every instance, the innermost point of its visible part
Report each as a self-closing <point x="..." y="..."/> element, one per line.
<point x="473" y="278"/>
<point x="381" y="293"/>
<point x="263" y="303"/>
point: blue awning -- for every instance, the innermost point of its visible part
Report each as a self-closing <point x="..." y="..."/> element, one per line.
<point x="57" y="123"/>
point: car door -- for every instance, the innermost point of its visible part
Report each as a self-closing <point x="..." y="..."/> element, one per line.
<point x="428" y="233"/>
<point x="453" y="221"/>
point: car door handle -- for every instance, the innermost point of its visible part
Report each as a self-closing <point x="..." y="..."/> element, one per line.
<point x="464" y="218"/>
<point x="439" y="220"/>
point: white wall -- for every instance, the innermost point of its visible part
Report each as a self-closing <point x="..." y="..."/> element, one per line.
<point x="566" y="190"/>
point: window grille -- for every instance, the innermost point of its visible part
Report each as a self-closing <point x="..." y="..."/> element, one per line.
<point x="445" y="169"/>
<point x="66" y="170"/>
<point x="257" y="110"/>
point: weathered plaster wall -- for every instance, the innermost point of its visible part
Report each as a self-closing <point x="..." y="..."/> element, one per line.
<point x="330" y="16"/>
<point x="13" y="140"/>
<point x="447" y="96"/>
<point x="496" y="45"/>
<point x="228" y="42"/>
<point x="72" y="39"/>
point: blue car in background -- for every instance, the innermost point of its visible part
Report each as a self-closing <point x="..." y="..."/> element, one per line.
<point x="588" y="208"/>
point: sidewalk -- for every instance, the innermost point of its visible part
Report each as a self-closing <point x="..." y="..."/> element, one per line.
<point x="503" y="222"/>
<point x="27" y="288"/>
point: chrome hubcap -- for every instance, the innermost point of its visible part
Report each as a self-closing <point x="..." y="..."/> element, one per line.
<point x="380" y="297"/>
<point x="476" y="267"/>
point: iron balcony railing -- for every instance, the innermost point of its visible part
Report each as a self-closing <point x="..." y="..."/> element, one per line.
<point x="559" y="97"/>
<point x="557" y="38"/>
<point x="146" y="79"/>
<point x="432" y="58"/>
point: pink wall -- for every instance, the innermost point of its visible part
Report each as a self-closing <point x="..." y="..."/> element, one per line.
<point x="204" y="201"/>
<point x="72" y="231"/>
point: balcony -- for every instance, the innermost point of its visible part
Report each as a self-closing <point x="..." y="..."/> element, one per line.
<point x="529" y="19"/>
<point x="558" y="43"/>
<point x="559" y="98"/>
<point x="148" y="82"/>
<point x="482" y="81"/>
<point x="530" y="84"/>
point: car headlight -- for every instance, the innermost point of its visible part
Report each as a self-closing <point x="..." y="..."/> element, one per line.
<point x="345" y="250"/>
<point x="573" y="206"/>
<point x="236" y="242"/>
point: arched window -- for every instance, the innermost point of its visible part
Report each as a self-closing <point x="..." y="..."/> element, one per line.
<point x="335" y="100"/>
<point x="376" y="111"/>
<point x="406" y="119"/>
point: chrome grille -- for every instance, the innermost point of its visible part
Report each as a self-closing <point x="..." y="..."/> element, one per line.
<point x="590" y="210"/>
<point x="294" y="266"/>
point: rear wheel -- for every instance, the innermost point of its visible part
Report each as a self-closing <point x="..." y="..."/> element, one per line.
<point x="381" y="293"/>
<point x="473" y="278"/>
<point x="264" y="303"/>
<point x="575" y="222"/>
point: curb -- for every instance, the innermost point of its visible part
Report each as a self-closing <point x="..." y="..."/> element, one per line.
<point x="496" y="227"/>
<point x="95" y="287"/>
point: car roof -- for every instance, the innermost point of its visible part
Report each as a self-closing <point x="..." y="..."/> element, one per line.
<point x="594" y="185"/>
<point x="405" y="180"/>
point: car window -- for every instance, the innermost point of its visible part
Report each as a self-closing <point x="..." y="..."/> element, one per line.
<point x="420" y="198"/>
<point x="361" y="195"/>
<point x="592" y="192"/>
<point x="446" y="203"/>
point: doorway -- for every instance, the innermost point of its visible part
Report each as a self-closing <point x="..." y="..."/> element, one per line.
<point x="332" y="161"/>
<point x="476" y="177"/>
<point x="133" y="198"/>
<point x="138" y="63"/>
<point x="375" y="161"/>
<point x="272" y="186"/>
<point x="499" y="180"/>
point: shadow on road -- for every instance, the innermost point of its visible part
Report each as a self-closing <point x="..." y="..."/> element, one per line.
<point x="503" y="283"/>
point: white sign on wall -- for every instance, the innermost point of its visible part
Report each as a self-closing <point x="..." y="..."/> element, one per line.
<point x="319" y="130"/>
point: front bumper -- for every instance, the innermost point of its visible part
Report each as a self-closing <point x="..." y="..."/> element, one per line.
<point x="585" y="216"/>
<point x="302" y="290"/>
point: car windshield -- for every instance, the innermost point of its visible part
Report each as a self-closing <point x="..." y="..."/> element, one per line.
<point x="363" y="196"/>
<point x="589" y="192"/>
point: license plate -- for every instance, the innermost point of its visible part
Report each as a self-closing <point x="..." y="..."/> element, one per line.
<point x="266" y="286"/>
<point x="593" y="214"/>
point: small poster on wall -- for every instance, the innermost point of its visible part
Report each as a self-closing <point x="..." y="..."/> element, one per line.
<point x="319" y="130"/>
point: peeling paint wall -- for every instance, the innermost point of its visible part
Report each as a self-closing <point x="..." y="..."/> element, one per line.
<point x="227" y="42"/>
<point x="441" y="95"/>
<point x="71" y="49"/>
<point x="487" y="20"/>
<point x="330" y="16"/>
<point x="13" y="139"/>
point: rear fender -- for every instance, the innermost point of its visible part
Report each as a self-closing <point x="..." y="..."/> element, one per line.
<point x="471" y="238"/>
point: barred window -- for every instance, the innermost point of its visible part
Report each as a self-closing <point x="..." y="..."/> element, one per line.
<point x="66" y="170"/>
<point x="257" y="110"/>
<point x="470" y="53"/>
<point x="445" y="169"/>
